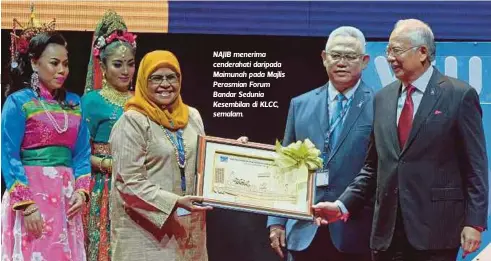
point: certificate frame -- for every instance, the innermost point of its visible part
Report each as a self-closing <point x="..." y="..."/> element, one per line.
<point x="209" y="148"/>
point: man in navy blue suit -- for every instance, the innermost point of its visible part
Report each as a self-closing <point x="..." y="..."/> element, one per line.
<point x="426" y="163"/>
<point x="337" y="118"/>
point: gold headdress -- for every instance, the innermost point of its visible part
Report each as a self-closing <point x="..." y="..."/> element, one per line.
<point x="110" y="28"/>
<point x="20" y="42"/>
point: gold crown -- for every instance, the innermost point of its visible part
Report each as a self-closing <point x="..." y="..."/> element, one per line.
<point x="20" y="43"/>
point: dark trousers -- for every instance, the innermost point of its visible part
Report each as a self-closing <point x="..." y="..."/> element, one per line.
<point x="322" y="249"/>
<point x="401" y="250"/>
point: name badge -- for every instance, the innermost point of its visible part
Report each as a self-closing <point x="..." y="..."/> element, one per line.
<point x="322" y="178"/>
<point x="182" y="212"/>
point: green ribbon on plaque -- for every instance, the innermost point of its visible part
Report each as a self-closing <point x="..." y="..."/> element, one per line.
<point x="300" y="157"/>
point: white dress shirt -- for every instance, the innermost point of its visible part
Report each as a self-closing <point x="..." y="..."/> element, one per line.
<point x="420" y="84"/>
<point x="332" y="102"/>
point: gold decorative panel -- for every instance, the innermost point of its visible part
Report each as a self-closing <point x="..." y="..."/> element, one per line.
<point x="140" y="16"/>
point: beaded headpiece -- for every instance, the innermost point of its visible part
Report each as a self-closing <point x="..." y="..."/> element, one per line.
<point x="102" y="41"/>
<point x="110" y="28"/>
<point x="19" y="43"/>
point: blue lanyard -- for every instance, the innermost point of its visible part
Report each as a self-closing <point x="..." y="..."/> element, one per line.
<point x="178" y="144"/>
<point x="335" y="123"/>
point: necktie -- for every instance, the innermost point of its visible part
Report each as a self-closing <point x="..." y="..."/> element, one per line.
<point x="406" y="117"/>
<point x="337" y="114"/>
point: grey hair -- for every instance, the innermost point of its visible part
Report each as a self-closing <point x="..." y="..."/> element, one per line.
<point x="420" y="35"/>
<point x="347" y="31"/>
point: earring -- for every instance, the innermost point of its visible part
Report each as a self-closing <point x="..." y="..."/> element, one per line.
<point x="104" y="82"/>
<point x="35" y="82"/>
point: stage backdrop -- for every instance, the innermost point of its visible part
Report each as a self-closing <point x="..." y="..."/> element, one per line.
<point x="289" y="18"/>
<point x="140" y="16"/>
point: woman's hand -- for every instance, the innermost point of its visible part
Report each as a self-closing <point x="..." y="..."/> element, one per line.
<point x="103" y="164"/>
<point x="76" y="203"/>
<point x="243" y="139"/>
<point x="187" y="203"/>
<point x="107" y="165"/>
<point x="33" y="220"/>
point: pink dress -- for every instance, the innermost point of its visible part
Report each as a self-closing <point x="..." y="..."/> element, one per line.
<point x="45" y="160"/>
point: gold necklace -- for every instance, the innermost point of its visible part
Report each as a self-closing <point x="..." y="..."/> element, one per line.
<point x="113" y="96"/>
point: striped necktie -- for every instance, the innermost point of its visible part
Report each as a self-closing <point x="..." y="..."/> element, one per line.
<point x="337" y="114"/>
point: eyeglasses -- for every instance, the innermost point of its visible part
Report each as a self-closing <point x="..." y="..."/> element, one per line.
<point x="395" y="52"/>
<point x="159" y="79"/>
<point x="350" y="57"/>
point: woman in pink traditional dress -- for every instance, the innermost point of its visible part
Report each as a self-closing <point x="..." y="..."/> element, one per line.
<point x="45" y="156"/>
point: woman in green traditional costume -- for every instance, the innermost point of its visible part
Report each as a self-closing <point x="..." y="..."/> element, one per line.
<point x="109" y="77"/>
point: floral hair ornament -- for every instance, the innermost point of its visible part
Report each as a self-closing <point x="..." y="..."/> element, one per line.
<point x="109" y="22"/>
<point x="19" y="43"/>
<point x="118" y="35"/>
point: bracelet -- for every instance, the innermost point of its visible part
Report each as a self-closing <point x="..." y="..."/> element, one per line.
<point x="101" y="169"/>
<point x="84" y="196"/>
<point x="28" y="212"/>
<point x="110" y="167"/>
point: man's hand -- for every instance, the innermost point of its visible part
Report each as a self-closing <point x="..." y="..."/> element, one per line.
<point x="277" y="238"/>
<point x="326" y="212"/>
<point x="470" y="239"/>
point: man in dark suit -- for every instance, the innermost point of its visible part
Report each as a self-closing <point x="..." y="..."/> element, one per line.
<point x="337" y="117"/>
<point x="426" y="163"/>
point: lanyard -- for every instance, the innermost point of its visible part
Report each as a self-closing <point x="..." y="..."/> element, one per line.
<point x="335" y="123"/>
<point x="178" y="144"/>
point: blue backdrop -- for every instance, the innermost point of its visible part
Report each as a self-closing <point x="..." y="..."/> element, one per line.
<point x="468" y="61"/>
<point x="450" y="20"/>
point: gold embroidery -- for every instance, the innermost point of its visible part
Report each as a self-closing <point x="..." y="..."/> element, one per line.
<point x="113" y="96"/>
<point x="101" y="148"/>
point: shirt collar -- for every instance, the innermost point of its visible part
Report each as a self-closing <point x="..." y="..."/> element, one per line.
<point x="422" y="82"/>
<point x="332" y="92"/>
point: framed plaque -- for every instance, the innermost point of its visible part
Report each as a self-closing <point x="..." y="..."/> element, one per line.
<point x="244" y="177"/>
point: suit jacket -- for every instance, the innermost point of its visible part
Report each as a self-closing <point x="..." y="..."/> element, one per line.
<point x="439" y="178"/>
<point x="308" y="117"/>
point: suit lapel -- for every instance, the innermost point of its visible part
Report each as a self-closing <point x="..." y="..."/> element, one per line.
<point x="357" y="105"/>
<point x="321" y="109"/>
<point x="391" y="102"/>
<point x="428" y="102"/>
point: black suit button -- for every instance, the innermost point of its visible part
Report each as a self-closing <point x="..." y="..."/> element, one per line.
<point x="396" y="190"/>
